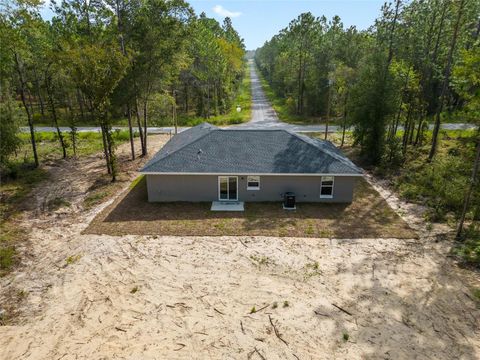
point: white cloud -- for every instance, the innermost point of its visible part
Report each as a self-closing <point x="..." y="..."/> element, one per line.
<point x="220" y="10"/>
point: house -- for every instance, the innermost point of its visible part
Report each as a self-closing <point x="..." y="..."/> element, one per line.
<point x="206" y="163"/>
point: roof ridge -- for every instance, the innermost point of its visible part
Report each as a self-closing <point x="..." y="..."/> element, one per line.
<point x="328" y="152"/>
<point x="213" y="128"/>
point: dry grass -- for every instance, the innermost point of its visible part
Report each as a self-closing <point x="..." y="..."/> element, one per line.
<point x="368" y="216"/>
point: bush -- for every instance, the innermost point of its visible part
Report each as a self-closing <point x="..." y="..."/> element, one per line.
<point x="469" y="249"/>
<point x="6" y="257"/>
<point x="291" y="105"/>
<point x="121" y="135"/>
<point x="439" y="185"/>
<point x="89" y="135"/>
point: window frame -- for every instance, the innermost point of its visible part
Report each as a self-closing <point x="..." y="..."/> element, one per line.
<point x="253" y="188"/>
<point x="327" y="186"/>
<point x="227" y="177"/>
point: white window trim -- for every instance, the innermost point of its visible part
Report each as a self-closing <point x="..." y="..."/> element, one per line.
<point x="332" y="186"/>
<point x="253" y="187"/>
<point x="228" y="185"/>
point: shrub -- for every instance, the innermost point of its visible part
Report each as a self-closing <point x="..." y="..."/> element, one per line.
<point x="6" y="257"/>
<point x="469" y="249"/>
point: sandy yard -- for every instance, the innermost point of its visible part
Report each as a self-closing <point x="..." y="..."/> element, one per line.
<point x="152" y="297"/>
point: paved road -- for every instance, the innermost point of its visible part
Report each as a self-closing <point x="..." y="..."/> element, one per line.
<point x="263" y="117"/>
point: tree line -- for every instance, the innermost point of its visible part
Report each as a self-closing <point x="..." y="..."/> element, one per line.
<point x="398" y="72"/>
<point x="98" y="61"/>
<point x="417" y="64"/>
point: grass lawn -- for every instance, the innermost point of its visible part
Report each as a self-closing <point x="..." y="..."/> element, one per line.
<point x="367" y="217"/>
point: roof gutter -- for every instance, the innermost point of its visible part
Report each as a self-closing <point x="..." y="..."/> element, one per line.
<point x="247" y="174"/>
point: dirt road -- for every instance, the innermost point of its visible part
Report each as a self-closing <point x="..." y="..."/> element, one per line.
<point x="139" y="297"/>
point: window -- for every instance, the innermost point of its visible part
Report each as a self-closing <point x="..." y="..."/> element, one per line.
<point x="326" y="187"/>
<point x="227" y="188"/>
<point x="253" y="182"/>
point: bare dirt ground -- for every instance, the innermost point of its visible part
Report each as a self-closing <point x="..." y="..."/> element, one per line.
<point x="151" y="297"/>
<point x="369" y="215"/>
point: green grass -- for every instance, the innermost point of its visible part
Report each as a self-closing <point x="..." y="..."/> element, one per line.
<point x="135" y="182"/>
<point x="48" y="146"/>
<point x="72" y="259"/>
<point x="95" y="198"/>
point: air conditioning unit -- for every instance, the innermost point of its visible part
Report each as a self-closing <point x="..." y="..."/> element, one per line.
<point x="289" y="201"/>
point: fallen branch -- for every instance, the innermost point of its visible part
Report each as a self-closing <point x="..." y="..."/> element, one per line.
<point x="320" y="314"/>
<point x="342" y="309"/>
<point x="218" y="311"/>
<point x="241" y="326"/>
<point x="181" y="347"/>
<point x="120" y="329"/>
<point x="259" y="354"/>
<point x="262" y="308"/>
<point x="242" y="243"/>
<point x="276" y="331"/>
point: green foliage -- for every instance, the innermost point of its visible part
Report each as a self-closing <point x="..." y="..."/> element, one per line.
<point x="9" y="122"/>
<point x="72" y="259"/>
<point x="441" y="183"/>
<point x="6" y="257"/>
<point x="372" y="102"/>
<point x="469" y="248"/>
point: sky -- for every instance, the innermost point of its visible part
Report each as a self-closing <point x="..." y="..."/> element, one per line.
<point x="258" y="20"/>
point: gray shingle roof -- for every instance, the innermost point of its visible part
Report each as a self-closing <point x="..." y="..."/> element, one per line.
<point x="208" y="149"/>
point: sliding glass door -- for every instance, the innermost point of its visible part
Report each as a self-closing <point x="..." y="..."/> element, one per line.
<point x="227" y="188"/>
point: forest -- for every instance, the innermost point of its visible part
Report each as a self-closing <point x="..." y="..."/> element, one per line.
<point x="391" y="87"/>
<point x="104" y="63"/>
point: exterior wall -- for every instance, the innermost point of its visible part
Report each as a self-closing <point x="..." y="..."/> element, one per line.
<point x="198" y="188"/>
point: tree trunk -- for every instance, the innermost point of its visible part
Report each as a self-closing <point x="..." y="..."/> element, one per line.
<point x="80" y="104"/>
<point x="73" y="136"/>
<point x="37" y="88"/>
<point x="105" y="147"/>
<point x="139" y="124"/>
<point x="328" y="111"/>
<point x="130" y="129"/>
<point x="392" y="33"/>
<point x="419" y="131"/>
<point x="344" y="123"/>
<point x="407" y="129"/>
<point x="468" y="194"/>
<point x="54" y="116"/>
<point x="186" y="99"/>
<point x="145" y="115"/>
<point x="446" y="80"/>
<point x="111" y="151"/>
<point x="27" y="110"/>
